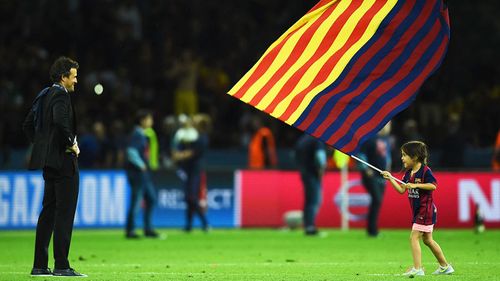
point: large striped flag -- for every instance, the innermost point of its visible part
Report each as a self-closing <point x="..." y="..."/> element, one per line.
<point x="348" y="66"/>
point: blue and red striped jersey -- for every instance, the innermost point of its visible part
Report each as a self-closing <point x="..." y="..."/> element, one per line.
<point x="424" y="211"/>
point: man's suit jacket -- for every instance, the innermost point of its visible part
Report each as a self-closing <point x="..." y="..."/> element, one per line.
<point x="54" y="132"/>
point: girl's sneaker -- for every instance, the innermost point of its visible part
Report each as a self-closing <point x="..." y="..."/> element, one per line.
<point x="414" y="272"/>
<point x="444" y="270"/>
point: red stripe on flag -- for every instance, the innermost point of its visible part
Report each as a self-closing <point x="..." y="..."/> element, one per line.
<point x="380" y="69"/>
<point x="386" y="86"/>
<point x="358" y="65"/>
<point x="262" y="67"/>
<point x="295" y="54"/>
<point x="332" y="61"/>
<point x="321" y="4"/>
<point x="323" y="47"/>
<point x="412" y="88"/>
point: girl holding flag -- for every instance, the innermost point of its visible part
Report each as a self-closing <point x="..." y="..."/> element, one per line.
<point x="420" y="183"/>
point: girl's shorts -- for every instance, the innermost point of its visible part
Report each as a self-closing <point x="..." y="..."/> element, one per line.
<point x="422" y="228"/>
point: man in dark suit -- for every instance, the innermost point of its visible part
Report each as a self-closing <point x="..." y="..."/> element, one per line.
<point x="51" y="127"/>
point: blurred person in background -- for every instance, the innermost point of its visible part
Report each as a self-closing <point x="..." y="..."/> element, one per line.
<point x="376" y="151"/>
<point x="96" y="145"/>
<point x="138" y="174"/>
<point x="310" y="155"/>
<point x="453" y="145"/>
<point x="203" y="124"/>
<point x="496" y="154"/>
<point x="51" y="126"/>
<point x="262" y="146"/>
<point x="154" y="150"/>
<point x="185" y="70"/>
<point x="87" y="142"/>
<point x="168" y="129"/>
<point x="410" y="131"/>
<point x="188" y="148"/>
<point x="118" y="144"/>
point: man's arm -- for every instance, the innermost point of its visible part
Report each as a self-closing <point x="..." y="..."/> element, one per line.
<point x="134" y="157"/>
<point x="29" y="126"/>
<point x="320" y="160"/>
<point x="60" y="116"/>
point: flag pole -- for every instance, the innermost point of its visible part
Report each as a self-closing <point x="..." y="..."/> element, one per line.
<point x="375" y="168"/>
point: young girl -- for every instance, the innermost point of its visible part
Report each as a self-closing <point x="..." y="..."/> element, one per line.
<point x="420" y="184"/>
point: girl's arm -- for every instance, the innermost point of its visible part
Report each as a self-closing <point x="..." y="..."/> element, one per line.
<point x="399" y="188"/>
<point x="426" y="186"/>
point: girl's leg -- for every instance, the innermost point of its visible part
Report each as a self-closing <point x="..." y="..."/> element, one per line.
<point x="415" y="248"/>
<point x="436" y="250"/>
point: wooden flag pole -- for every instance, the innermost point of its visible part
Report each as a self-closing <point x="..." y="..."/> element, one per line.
<point x="375" y="168"/>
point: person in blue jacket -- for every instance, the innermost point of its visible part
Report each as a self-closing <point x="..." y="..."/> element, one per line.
<point x="139" y="176"/>
<point x="310" y="155"/>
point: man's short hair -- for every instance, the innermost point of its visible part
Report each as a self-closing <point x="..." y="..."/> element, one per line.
<point x="141" y="114"/>
<point x="61" y="67"/>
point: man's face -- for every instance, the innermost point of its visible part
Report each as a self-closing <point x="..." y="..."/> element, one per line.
<point x="147" y="122"/>
<point x="70" y="81"/>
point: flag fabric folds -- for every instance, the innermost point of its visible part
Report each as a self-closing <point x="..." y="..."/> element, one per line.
<point x="347" y="67"/>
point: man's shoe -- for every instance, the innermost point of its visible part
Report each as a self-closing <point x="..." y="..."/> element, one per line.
<point x="444" y="270"/>
<point x="311" y="232"/>
<point x="151" y="234"/>
<point x="414" y="272"/>
<point x="41" y="272"/>
<point x="69" y="272"/>
<point x="131" y="235"/>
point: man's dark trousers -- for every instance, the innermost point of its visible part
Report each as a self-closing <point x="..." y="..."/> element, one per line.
<point x="375" y="185"/>
<point x="58" y="212"/>
<point x="312" y="197"/>
<point x="141" y="185"/>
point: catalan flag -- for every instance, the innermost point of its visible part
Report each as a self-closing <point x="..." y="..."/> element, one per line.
<point x="347" y="67"/>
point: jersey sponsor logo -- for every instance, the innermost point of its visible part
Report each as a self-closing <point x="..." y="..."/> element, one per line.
<point x="413" y="193"/>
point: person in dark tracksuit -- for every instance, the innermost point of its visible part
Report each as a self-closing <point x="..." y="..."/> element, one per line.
<point x="51" y="127"/>
<point x="310" y="155"/>
<point x="376" y="151"/>
<point x="139" y="176"/>
<point x="189" y="147"/>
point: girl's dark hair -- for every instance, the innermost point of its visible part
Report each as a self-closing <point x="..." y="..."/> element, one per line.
<point x="416" y="149"/>
<point x="61" y="67"/>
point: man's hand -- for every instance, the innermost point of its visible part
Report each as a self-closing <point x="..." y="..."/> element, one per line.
<point x="75" y="149"/>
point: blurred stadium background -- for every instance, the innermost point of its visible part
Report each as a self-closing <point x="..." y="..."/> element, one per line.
<point x="141" y="51"/>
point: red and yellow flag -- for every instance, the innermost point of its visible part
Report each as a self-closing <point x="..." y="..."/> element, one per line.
<point x="347" y="67"/>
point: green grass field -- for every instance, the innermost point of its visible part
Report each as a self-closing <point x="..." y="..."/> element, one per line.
<point x="256" y="255"/>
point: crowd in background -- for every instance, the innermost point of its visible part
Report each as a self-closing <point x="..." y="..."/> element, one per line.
<point x="176" y="57"/>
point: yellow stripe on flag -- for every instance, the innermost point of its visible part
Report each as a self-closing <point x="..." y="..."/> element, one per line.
<point x="306" y="18"/>
<point x="306" y="55"/>
<point x="280" y="59"/>
<point x="314" y="70"/>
